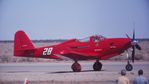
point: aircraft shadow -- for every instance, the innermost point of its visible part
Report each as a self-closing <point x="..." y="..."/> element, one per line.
<point x="72" y="71"/>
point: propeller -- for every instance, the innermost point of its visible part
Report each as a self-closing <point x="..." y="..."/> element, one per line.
<point x="134" y="44"/>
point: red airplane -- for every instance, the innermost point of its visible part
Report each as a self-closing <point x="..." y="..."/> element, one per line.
<point x="94" y="47"/>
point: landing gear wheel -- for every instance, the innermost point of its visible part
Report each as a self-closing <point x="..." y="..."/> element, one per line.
<point x="129" y="67"/>
<point x="97" y="66"/>
<point x="76" y="67"/>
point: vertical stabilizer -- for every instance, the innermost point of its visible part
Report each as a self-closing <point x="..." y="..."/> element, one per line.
<point x="22" y="43"/>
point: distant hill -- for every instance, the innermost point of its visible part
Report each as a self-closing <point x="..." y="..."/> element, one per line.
<point x="59" y="40"/>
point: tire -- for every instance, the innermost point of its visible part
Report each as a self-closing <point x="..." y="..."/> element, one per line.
<point x="97" y="66"/>
<point x="129" y="67"/>
<point x="76" y="67"/>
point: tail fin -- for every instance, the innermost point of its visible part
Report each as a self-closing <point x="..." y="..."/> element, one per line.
<point x="22" y="43"/>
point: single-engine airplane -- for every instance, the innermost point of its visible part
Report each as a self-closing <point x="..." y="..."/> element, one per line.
<point x="94" y="47"/>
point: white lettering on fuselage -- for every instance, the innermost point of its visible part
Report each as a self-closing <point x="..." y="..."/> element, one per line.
<point x="97" y="50"/>
<point x="47" y="51"/>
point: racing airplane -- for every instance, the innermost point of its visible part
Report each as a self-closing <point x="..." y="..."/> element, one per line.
<point x="94" y="47"/>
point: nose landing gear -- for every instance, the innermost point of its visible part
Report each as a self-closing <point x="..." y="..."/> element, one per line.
<point x="129" y="66"/>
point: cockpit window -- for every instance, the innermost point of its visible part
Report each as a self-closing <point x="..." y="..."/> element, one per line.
<point x="97" y="38"/>
<point x="101" y="37"/>
<point x="85" y="39"/>
<point x="94" y="38"/>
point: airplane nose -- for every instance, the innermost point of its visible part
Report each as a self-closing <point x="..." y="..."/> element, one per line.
<point x="127" y="42"/>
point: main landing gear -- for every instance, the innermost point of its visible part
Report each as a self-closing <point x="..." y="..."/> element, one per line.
<point x="97" y="65"/>
<point x="76" y="67"/>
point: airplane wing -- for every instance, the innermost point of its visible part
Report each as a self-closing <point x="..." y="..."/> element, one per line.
<point x="54" y="56"/>
<point x="79" y="56"/>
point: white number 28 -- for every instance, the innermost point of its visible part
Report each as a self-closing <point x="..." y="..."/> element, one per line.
<point x="47" y="51"/>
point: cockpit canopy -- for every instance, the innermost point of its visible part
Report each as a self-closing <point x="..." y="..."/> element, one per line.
<point x="94" y="38"/>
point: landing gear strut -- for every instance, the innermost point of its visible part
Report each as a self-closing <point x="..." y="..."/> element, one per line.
<point x="97" y="65"/>
<point x="129" y="67"/>
<point x="76" y="67"/>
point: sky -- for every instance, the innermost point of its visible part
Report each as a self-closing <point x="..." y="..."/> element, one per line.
<point x="66" y="19"/>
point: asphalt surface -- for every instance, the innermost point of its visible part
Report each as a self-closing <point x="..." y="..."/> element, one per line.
<point x="61" y="72"/>
<point x="66" y="66"/>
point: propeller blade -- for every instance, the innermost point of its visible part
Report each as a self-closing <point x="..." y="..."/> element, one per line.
<point x="134" y="44"/>
<point x="133" y="37"/>
<point x="128" y="36"/>
<point x="133" y="53"/>
<point x="138" y="47"/>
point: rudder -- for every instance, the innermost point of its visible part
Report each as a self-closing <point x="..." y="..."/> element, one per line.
<point x="22" y="43"/>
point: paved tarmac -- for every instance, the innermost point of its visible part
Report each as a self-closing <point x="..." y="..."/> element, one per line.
<point x="61" y="73"/>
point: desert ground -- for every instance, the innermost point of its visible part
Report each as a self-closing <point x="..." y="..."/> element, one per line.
<point x="14" y="70"/>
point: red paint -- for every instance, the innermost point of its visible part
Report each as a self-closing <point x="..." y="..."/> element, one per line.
<point x="93" y="48"/>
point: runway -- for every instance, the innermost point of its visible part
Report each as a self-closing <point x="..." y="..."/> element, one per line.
<point x="61" y="73"/>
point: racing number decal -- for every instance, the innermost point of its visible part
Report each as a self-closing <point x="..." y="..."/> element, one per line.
<point x="47" y="51"/>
